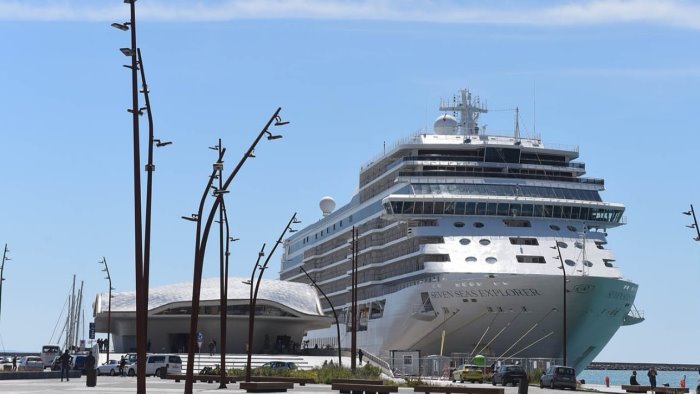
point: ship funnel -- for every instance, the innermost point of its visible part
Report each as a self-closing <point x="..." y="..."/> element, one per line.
<point x="327" y="205"/>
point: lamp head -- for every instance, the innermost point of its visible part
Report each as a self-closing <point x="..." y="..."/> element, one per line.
<point x="271" y="136"/>
<point x="279" y="121"/>
<point x="121" y="26"/>
<point x="160" y="144"/>
<point x="687" y="213"/>
<point x="127" y="51"/>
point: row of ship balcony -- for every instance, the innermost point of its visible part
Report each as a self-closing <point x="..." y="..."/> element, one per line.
<point x="539" y="162"/>
<point x="441" y="173"/>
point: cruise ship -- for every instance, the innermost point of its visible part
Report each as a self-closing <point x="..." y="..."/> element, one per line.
<point x="470" y="243"/>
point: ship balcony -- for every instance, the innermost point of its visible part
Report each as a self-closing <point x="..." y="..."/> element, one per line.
<point x="553" y="178"/>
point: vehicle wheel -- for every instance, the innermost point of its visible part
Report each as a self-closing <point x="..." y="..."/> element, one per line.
<point x="541" y="384"/>
<point x="157" y="372"/>
<point x="131" y="372"/>
<point x="551" y="384"/>
<point x="112" y="373"/>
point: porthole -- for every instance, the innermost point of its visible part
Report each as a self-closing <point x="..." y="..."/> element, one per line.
<point x="465" y="241"/>
<point x="608" y="264"/>
<point x="588" y="263"/>
<point x="478" y="224"/>
<point x="491" y="260"/>
<point x="484" y="242"/>
<point x="578" y="244"/>
<point x="572" y="228"/>
<point x="554" y="227"/>
<point x="562" y="245"/>
<point x="570" y="263"/>
<point x="470" y="259"/>
<point x="459" y="224"/>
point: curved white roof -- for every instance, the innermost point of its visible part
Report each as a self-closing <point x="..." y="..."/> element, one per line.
<point x="298" y="296"/>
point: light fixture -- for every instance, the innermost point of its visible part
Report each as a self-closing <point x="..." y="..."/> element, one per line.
<point x="686" y="213"/>
<point x="192" y="218"/>
<point x="121" y="26"/>
<point x="271" y="136"/>
<point x="252" y="154"/>
<point x="279" y="121"/>
<point x="127" y="51"/>
<point x="160" y="143"/>
<point x="231" y="239"/>
<point x="690" y="225"/>
<point x="215" y="147"/>
<point x="291" y="230"/>
<point x="296" y="221"/>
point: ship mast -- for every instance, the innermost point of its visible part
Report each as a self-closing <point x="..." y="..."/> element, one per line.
<point x="469" y="111"/>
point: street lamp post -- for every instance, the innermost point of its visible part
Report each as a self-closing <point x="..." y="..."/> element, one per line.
<point x="201" y="245"/>
<point x="337" y="324"/>
<point x="2" y="269"/>
<point x="253" y="300"/>
<point x="563" y="270"/>
<point x="109" y="304"/>
<point x="695" y="222"/>
<point x="224" y="294"/>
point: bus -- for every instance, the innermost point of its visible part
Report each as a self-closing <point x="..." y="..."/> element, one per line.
<point x="48" y="353"/>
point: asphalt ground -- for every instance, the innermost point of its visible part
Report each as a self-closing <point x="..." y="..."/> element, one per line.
<point x="116" y="384"/>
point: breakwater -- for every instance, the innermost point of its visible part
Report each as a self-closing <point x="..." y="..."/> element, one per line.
<point x="642" y="366"/>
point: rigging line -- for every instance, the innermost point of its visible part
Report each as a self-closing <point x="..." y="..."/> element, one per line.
<point x="453" y="315"/>
<point x="57" y="321"/>
<point x="530" y="345"/>
<point x="527" y="332"/>
<point x="500" y="332"/>
<point x="484" y="334"/>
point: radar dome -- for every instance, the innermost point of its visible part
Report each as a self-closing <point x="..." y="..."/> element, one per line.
<point x="327" y="205"/>
<point x="445" y="125"/>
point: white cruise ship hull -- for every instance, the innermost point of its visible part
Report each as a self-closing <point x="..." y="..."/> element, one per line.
<point x="519" y="316"/>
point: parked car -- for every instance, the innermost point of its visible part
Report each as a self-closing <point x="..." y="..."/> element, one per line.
<point x="506" y="374"/>
<point x="279" y="364"/>
<point x="111" y="367"/>
<point x="79" y="363"/>
<point x="559" y="376"/>
<point x="469" y="373"/>
<point x="30" y="363"/>
<point x="156" y="362"/>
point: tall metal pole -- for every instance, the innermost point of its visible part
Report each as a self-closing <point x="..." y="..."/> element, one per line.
<point x="109" y="306"/>
<point x="222" y="290"/>
<point x="337" y="324"/>
<point x="563" y="270"/>
<point x="2" y="278"/>
<point x="251" y="320"/>
<point x="224" y="298"/>
<point x="251" y="314"/>
<point x="695" y="222"/>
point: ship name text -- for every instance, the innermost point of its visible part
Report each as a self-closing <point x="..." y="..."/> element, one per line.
<point x="485" y="293"/>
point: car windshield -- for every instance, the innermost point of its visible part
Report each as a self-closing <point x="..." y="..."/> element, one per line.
<point x="514" y="368"/>
<point x="565" y="371"/>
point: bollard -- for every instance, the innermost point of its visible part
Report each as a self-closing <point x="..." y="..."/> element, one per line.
<point x="607" y="381"/>
<point x="523" y="384"/>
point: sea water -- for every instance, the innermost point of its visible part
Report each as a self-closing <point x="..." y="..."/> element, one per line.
<point x="618" y="378"/>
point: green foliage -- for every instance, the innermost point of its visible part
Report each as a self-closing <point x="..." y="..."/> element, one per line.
<point x="412" y="381"/>
<point x="535" y="374"/>
<point x="324" y="374"/>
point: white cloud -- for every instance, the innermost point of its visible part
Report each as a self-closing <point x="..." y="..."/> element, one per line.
<point x="676" y="13"/>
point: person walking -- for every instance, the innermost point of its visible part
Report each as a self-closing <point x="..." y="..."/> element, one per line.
<point x="65" y="365"/>
<point x="122" y="366"/>
<point x="360" y="353"/>
<point x="652" y="378"/>
<point x="212" y="347"/>
<point x="90" y="373"/>
<point x="14" y="363"/>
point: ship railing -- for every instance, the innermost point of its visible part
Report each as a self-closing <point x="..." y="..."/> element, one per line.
<point x="594" y="181"/>
<point x="401" y="141"/>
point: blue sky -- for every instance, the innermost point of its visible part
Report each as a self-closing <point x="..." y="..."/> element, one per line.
<point x="620" y="79"/>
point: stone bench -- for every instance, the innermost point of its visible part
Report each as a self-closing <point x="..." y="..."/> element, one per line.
<point x="458" y="389"/>
<point x="284" y="379"/>
<point x="356" y="388"/>
<point x="635" y="388"/>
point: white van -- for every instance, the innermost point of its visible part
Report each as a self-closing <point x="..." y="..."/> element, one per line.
<point x="156" y="362"/>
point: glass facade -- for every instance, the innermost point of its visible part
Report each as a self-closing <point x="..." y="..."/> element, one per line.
<point x="507" y="190"/>
<point x="609" y="215"/>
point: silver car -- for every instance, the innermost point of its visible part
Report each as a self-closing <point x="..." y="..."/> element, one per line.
<point x="111" y="368"/>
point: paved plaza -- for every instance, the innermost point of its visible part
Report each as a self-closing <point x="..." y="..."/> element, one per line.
<point x="115" y="384"/>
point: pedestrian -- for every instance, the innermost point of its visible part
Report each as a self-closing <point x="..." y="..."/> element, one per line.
<point x="360" y="354"/>
<point x="65" y="365"/>
<point x="14" y="363"/>
<point x="212" y="347"/>
<point x="122" y="366"/>
<point x="652" y="378"/>
<point x="633" y="379"/>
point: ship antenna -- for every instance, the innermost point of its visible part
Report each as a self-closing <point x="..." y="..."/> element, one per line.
<point x="517" y="124"/>
<point x="469" y="111"/>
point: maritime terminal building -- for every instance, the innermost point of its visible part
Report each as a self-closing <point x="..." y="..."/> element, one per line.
<point x="284" y="312"/>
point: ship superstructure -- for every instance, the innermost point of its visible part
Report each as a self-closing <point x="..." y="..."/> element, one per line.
<point x="483" y="237"/>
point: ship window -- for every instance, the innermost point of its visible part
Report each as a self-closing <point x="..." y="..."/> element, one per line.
<point x="470" y="208"/>
<point x="470" y="259"/>
<point x="526" y="210"/>
<point x="459" y="208"/>
<point x="517" y="223"/>
<point x="465" y="241"/>
<point x="587" y="263"/>
<point x="491" y="260"/>
<point x="572" y="228"/>
<point x="428" y="208"/>
<point x="449" y="208"/>
<point x="554" y="227"/>
<point x="530" y="259"/>
<point x="491" y="209"/>
<point x="418" y="208"/>
<point x="484" y="242"/>
<point x="459" y="224"/>
<point x="578" y="244"/>
<point x="599" y="245"/>
<point x="608" y="262"/>
<point x="562" y="244"/>
<point x="478" y="224"/>
<point x="523" y="241"/>
<point x="570" y="263"/>
<point x="439" y="208"/>
<point x="481" y="208"/>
